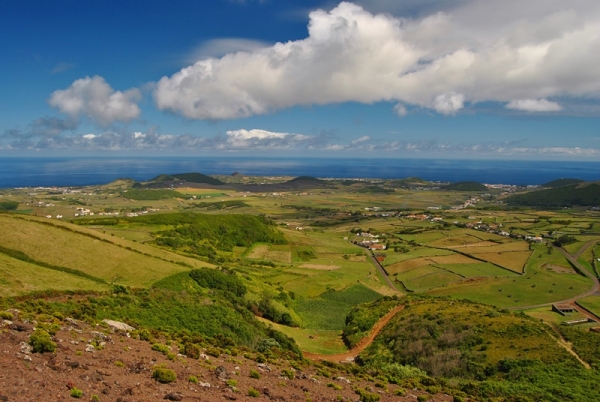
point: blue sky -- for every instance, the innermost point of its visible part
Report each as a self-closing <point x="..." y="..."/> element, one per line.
<point x="413" y="78"/>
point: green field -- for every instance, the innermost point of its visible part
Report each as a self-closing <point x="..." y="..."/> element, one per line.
<point x="99" y="257"/>
<point x="591" y="303"/>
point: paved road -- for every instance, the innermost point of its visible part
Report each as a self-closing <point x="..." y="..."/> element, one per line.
<point x="384" y="274"/>
<point x="572" y="301"/>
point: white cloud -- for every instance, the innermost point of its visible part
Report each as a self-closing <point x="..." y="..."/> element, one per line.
<point x="62" y="66"/>
<point x="94" y="98"/>
<point x="449" y="103"/>
<point x="261" y="139"/>
<point x="472" y="52"/>
<point x="364" y="138"/>
<point x="534" y="105"/>
<point x="400" y="110"/>
<point x="222" y="46"/>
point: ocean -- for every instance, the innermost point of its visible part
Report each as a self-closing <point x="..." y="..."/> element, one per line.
<point x="79" y="171"/>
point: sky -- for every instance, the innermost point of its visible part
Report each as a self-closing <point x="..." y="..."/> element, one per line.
<point x="470" y="79"/>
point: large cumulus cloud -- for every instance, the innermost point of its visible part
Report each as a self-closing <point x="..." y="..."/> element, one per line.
<point x="518" y="53"/>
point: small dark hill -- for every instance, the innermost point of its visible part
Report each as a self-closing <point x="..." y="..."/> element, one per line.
<point x="198" y="178"/>
<point x="304" y="178"/>
<point x="562" y="182"/>
<point x="465" y="186"/>
<point x="161" y="178"/>
<point x="585" y="195"/>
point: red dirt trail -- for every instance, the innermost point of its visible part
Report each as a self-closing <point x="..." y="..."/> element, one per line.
<point x="362" y="345"/>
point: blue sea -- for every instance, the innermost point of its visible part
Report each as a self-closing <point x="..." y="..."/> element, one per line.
<point x="79" y="171"/>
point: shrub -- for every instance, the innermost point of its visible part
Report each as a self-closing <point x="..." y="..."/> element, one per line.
<point x="367" y="396"/>
<point x="334" y="386"/>
<point x="76" y="392"/>
<point x="232" y="383"/>
<point x="41" y="342"/>
<point x="193" y="379"/>
<point x="164" y="375"/>
<point x="119" y="363"/>
<point x="95" y="398"/>
<point x="191" y="350"/>
<point x="214" y="352"/>
<point x="6" y="315"/>
<point x="253" y="393"/>
<point x="255" y="374"/>
<point x="144" y="335"/>
<point x="161" y="348"/>
<point x="288" y="373"/>
<point x="422" y="398"/>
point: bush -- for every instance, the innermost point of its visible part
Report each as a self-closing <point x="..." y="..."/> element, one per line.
<point x="253" y="393"/>
<point x="422" y="398"/>
<point x="254" y="374"/>
<point x="161" y="348"/>
<point x="76" y="392"/>
<point x="288" y="373"/>
<point x="6" y="315"/>
<point x="193" y="379"/>
<point x="40" y="342"/>
<point x="192" y="351"/>
<point x="164" y="375"/>
<point x="367" y="396"/>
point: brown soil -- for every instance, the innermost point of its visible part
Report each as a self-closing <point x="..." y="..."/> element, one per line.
<point x="122" y="372"/>
<point x="350" y="355"/>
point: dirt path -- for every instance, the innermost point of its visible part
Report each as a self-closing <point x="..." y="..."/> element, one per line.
<point x="350" y="355"/>
<point x="562" y="342"/>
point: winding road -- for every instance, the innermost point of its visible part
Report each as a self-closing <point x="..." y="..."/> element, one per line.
<point x="572" y="258"/>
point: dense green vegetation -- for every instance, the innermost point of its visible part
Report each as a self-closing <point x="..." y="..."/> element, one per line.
<point x="586" y="194"/>
<point x="8" y="205"/>
<point x="562" y="182"/>
<point x="204" y="234"/>
<point x="492" y="353"/>
<point x="328" y="311"/>
<point x="361" y="319"/>
<point x="465" y="186"/>
<point x="143" y="195"/>
<point x="214" y="279"/>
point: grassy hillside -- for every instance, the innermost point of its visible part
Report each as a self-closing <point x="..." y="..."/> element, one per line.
<point x="18" y="277"/>
<point x="562" y="182"/>
<point x="586" y="194"/>
<point x="91" y="254"/>
<point x="500" y="354"/>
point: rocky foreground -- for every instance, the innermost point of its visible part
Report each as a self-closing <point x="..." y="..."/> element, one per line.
<point x="103" y="363"/>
